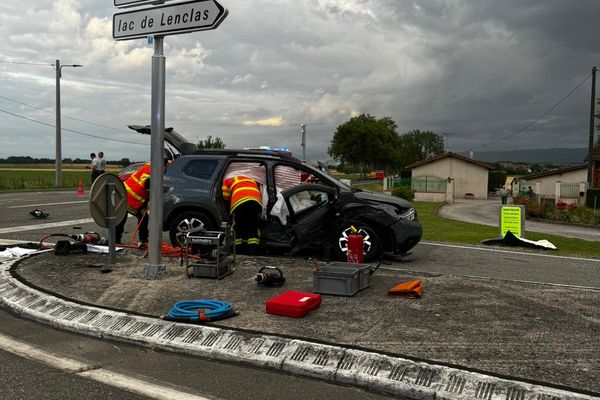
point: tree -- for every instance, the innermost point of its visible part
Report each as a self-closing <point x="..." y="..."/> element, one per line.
<point x="210" y="143"/>
<point x="366" y="142"/>
<point x="417" y="145"/>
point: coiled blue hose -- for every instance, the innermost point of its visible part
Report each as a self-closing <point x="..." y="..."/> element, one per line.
<point x="199" y="310"/>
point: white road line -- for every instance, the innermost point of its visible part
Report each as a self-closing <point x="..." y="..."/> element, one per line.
<point x="508" y="251"/>
<point x="90" y="371"/>
<point x="35" y="227"/>
<point x="487" y="278"/>
<point x="8" y="242"/>
<point x="49" y="204"/>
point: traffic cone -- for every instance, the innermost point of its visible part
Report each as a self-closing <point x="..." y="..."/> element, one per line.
<point x="80" y="188"/>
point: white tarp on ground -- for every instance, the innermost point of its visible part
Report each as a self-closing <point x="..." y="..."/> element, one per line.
<point x="14" y="252"/>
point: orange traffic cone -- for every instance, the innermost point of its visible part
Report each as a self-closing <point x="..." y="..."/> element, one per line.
<point x="80" y="188"/>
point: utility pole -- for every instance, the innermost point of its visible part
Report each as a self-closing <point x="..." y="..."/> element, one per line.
<point x="590" y="177"/>
<point x="58" y="162"/>
<point x="303" y="142"/>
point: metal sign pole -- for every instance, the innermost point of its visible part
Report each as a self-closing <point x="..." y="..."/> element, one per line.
<point x="110" y="219"/>
<point x="154" y="267"/>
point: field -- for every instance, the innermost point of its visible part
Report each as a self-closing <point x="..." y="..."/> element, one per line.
<point x="41" y="176"/>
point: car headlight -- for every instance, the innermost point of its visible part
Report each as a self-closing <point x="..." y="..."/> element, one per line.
<point x="408" y="215"/>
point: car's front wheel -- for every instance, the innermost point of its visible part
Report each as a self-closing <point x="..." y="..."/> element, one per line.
<point x="185" y="222"/>
<point x="371" y="242"/>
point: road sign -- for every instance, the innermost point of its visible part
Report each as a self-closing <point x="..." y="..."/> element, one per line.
<point x="100" y="197"/>
<point x="169" y="19"/>
<point x="512" y="218"/>
<point x="135" y="3"/>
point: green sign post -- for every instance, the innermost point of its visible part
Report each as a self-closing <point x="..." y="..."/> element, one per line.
<point x="512" y="218"/>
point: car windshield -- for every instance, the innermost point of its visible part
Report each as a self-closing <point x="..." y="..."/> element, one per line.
<point x="327" y="177"/>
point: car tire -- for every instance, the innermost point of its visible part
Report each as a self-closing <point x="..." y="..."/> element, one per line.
<point x="371" y="243"/>
<point x="185" y="221"/>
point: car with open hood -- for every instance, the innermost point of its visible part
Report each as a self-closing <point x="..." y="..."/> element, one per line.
<point x="304" y="208"/>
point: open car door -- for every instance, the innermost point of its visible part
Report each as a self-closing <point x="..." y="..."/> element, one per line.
<point x="311" y="212"/>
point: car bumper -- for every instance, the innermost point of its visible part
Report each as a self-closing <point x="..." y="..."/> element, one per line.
<point x="407" y="234"/>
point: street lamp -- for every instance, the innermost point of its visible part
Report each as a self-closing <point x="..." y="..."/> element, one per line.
<point x="303" y="140"/>
<point x="58" y="68"/>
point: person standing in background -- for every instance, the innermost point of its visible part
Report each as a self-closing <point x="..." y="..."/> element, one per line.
<point x="93" y="163"/>
<point x="100" y="166"/>
<point x="504" y="194"/>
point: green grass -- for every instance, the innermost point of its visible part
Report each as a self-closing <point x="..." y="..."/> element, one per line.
<point x="439" y="229"/>
<point x="22" y="180"/>
<point x="41" y="176"/>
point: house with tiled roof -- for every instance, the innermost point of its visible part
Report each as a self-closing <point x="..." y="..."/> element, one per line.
<point x="564" y="184"/>
<point x="447" y="176"/>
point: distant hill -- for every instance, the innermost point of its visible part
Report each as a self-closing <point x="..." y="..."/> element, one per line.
<point x="554" y="156"/>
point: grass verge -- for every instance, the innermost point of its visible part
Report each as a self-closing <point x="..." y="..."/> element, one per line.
<point x="438" y="229"/>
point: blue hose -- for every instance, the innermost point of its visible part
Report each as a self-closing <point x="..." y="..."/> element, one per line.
<point x="199" y="311"/>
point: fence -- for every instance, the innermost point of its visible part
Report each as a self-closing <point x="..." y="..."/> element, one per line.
<point x="428" y="184"/>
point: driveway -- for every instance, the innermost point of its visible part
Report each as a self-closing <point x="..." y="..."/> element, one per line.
<point x="486" y="212"/>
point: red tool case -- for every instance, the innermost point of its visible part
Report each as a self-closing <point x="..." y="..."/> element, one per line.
<point x="293" y="304"/>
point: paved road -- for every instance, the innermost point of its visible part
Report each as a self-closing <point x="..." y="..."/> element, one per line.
<point x="486" y="212"/>
<point x="147" y="371"/>
<point x="476" y="312"/>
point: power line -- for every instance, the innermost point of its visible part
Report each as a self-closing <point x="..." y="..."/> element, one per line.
<point x="24" y="63"/>
<point x="71" y="130"/>
<point x="64" y="116"/>
<point x="537" y="119"/>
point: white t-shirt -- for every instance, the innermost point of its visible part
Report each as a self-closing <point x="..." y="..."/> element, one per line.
<point x="101" y="164"/>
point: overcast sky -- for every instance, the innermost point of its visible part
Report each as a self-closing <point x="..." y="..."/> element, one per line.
<point x="478" y="70"/>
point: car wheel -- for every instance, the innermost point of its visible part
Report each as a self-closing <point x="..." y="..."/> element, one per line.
<point x="182" y="224"/>
<point x="371" y="243"/>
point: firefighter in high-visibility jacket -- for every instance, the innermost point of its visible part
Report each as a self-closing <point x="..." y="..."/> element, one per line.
<point x="245" y="202"/>
<point x="137" y="186"/>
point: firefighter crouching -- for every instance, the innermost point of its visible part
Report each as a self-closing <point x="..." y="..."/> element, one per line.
<point x="138" y="194"/>
<point x="245" y="209"/>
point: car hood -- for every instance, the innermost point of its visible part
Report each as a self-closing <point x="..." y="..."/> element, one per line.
<point x="382" y="198"/>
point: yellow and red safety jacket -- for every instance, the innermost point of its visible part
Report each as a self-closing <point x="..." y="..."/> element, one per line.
<point x="137" y="193"/>
<point x="239" y="190"/>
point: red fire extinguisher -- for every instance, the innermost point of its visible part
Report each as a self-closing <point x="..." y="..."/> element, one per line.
<point x="355" y="247"/>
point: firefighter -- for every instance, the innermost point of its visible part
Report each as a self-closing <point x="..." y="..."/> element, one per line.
<point x="138" y="194"/>
<point x="245" y="208"/>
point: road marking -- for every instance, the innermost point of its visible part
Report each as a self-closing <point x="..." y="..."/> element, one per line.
<point x="93" y="372"/>
<point x="508" y="251"/>
<point x="8" y="242"/>
<point x="482" y="277"/>
<point x="23" y="228"/>
<point x="50" y="204"/>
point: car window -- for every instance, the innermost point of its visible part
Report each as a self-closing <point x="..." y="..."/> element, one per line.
<point x="202" y="169"/>
<point x="305" y="200"/>
<point x="287" y="177"/>
<point x="254" y="170"/>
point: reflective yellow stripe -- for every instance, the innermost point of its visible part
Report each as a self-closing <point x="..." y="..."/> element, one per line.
<point x="253" y="241"/>
<point x="239" y="241"/>
<point x="134" y="194"/>
<point x="237" y="180"/>
<point x="236" y="190"/>
<point x="243" y="200"/>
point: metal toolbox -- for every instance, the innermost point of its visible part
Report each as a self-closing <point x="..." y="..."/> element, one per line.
<point x="343" y="279"/>
<point x="216" y="253"/>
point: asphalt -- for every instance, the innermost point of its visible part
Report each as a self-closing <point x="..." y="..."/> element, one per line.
<point x="467" y="337"/>
<point x="487" y="212"/>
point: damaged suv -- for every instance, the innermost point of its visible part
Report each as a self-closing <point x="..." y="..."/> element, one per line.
<point x="303" y="207"/>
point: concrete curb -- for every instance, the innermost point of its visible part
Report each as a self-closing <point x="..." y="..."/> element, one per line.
<point x="337" y="364"/>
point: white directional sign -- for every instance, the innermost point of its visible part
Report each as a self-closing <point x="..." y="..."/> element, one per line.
<point x="135" y="3"/>
<point x="168" y="19"/>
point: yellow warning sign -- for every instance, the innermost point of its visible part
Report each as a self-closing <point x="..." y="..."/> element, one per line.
<point x="512" y="219"/>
